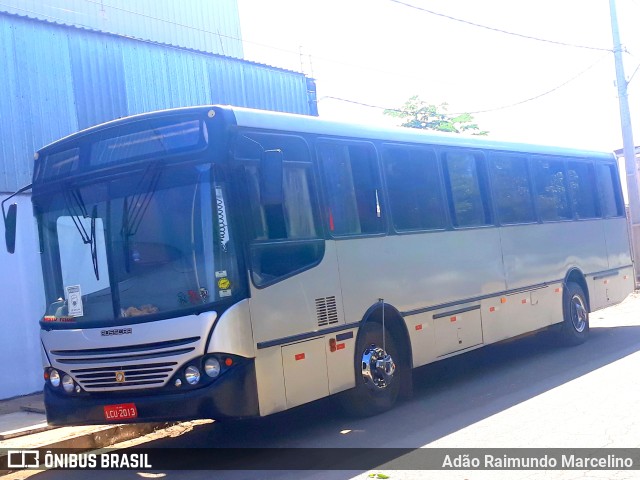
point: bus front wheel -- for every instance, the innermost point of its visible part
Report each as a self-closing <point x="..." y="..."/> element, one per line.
<point x="377" y="372"/>
<point x="575" y="325"/>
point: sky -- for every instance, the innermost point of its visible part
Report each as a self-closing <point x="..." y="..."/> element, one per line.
<point x="380" y="53"/>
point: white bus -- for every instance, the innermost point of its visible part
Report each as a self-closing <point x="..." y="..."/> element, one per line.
<point x="218" y="262"/>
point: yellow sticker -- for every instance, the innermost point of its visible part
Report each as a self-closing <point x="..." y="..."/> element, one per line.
<point x="224" y="284"/>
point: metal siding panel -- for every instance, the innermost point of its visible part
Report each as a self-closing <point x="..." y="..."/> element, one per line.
<point x="40" y="106"/>
<point x="98" y="76"/>
<point x="205" y="25"/>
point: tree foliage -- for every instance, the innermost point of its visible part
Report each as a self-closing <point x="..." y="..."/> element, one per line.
<point x="417" y="113"/>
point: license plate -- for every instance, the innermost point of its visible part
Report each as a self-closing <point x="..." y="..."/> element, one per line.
<point x="120" y="412"/>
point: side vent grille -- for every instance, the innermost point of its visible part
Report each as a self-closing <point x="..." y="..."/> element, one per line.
<point x="327" y="311"/>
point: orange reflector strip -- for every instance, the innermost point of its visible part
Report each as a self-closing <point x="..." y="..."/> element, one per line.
<point x="453" y="319"/>
<point x="341" y="346"/>
<point x="492" y="309"/>
<point x="503" y="300"/>
<point x="299" y="356"/>
<point x="419" y="327"/>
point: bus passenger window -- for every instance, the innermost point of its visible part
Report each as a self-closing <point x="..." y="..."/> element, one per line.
<point x="551" y="193"/>
<point x="511" y="188"/>
<point x="608" y="187"/>
<point x="463" y="181"/>
<point x="583" y="189"/>
<point x="353" y="189"/>
<point x="413" y="185"/>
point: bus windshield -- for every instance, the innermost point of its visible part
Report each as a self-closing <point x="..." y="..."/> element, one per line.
<point x="153" y="242"/>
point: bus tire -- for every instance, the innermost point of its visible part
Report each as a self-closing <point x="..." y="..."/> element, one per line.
<point x="377" y="387"/>
<point x="574" y="329"/>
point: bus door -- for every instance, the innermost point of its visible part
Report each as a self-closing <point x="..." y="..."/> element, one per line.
<point x="295" y="289"/>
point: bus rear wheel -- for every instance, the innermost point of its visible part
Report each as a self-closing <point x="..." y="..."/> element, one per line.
<point x="575" y="325"/>
<point x="377" y="371"/>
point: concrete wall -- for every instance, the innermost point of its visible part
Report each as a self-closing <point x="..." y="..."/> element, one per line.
<point x="22" y="300"/>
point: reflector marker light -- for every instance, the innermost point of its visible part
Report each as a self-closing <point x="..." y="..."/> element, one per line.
<point x="341" y="346"/>
<point x="558" y="290"/>
<point x="299" y="356"/>
<point x="453" y="319"/>
<point x="503" y="300"/>
<point x="524" y="300"/>
<point x="332" y="344"/>
<point x="419" y="326"/>
<point x="492" y="309"/>
<point x="605" y="282"/>
<point x="228" y="361"/>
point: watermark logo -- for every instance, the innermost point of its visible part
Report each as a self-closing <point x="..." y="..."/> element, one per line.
<point x="23" y="459"/>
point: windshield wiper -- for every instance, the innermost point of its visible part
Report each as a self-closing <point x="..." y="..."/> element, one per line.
<point x="134" y="208"/>
<point x="77" y="210"/>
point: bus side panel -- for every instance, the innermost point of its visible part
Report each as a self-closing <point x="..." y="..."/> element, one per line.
<point x="272" y="397"/>
<point x="511" y="315"/>
<point x="288" y="308"/>
<point x="538" y="253"/>
<point x="617" y="237"/>
<point x="418" y="271"/>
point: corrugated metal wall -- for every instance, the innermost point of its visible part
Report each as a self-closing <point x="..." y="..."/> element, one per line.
<point x="56" y="80"/>
<point x="207" y="25"/>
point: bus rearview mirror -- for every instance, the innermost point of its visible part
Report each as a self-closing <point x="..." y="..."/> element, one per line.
<point x="271" y="191"/>
<point x="10" y="227"/>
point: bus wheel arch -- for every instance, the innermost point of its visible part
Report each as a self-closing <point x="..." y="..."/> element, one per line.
<point x="576" y="276"/>
<point x="381" y="374"/>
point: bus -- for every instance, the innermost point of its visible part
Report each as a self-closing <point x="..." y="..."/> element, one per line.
<point x="221" y="262"/>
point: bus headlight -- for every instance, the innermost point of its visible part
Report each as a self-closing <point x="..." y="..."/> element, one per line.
<point x="54" y="378"/>
<point x="212" y="367"/>
<point x="192" y="375"/>
<point x="68" y="384"/>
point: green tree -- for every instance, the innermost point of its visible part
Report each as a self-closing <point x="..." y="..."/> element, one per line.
<point x="416" y="113"/>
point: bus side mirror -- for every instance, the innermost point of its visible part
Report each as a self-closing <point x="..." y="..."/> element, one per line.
<point x="271" y="191"/>
<point x="10" y="227"/>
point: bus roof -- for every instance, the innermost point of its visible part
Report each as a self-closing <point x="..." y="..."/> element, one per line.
<point x="277" y="121"/>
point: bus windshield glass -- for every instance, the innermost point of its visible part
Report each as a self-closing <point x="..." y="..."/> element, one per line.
<point x="153" y="242"/>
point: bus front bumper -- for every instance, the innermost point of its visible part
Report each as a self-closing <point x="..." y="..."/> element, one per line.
<point x="233" y="395"/>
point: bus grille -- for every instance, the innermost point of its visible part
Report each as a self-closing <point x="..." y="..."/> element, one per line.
<point x="151" y="374"/>
<point x="148" y="365"/>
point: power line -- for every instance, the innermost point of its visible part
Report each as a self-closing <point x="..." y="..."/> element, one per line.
<point x="499" y="30"/>
<point x="487" y="110"/>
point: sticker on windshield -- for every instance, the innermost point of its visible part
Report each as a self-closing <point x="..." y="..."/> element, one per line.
<point x="221" y="274"/>
<point x="74" y="301"/>
<point x="224" y="293"/>
<point x="224" y="284"/>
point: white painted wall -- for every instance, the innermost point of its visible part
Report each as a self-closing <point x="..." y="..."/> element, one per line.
<point x="21" y="307"/>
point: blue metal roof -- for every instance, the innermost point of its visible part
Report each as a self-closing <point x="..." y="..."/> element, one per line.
<point x="57" y="80"/>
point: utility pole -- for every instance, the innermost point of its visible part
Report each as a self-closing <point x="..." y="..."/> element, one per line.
<point x="628" y="147"/>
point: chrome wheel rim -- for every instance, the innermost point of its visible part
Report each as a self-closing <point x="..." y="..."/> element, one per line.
<point x="579" y="315"/>
<point x="378" y="368"/>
